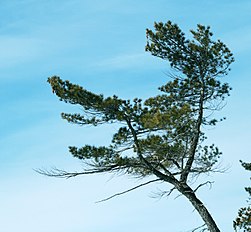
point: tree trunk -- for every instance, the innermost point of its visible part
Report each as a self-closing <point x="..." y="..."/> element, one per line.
<point x="199" y="206"/>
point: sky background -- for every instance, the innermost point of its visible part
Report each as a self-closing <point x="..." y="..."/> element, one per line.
<point x="100" y="45"/>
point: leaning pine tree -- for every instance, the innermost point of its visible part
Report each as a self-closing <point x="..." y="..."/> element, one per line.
<point x="161" y="137"/>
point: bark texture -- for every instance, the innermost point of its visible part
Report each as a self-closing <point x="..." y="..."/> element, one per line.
<point x="199" y="206"/>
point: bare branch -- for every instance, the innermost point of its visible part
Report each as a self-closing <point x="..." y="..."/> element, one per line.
<point x="207" y="182"/>
<point x="128" y="190"/>
<point x="59" y="173"/>
<point x="162" y="193"/>
<point x="200" y="227"/>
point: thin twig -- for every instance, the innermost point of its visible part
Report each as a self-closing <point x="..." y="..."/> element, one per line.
<point x="128" y="190"/>
<point x="200" y="227"/>
<point x="207" y="182"/>
<point x="55" y="172"/>
<point x="162" y="193"/>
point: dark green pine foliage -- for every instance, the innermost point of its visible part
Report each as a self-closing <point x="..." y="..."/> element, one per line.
<point x="161" y="136"/>
<point x="243" y="221"/>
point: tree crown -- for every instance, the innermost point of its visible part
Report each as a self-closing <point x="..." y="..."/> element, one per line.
<point x="166" y="129"/>
<point x="161" y="136"/>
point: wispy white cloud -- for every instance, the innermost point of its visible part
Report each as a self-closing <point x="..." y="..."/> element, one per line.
<point x="19" y="50"/>
<point x="124" y="61"/>
<point x="239" y="40"/>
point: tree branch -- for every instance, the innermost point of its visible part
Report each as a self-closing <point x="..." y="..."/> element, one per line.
<point x="129" y="190"/>
<point x="162" y="193"/>
<point x="200" y="227"/>
<point x="199" y="186"/>
<point x="190" y="160"/>
<point x="59" y="173"/>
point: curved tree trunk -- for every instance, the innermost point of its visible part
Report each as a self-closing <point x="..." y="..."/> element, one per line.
<point x="199" y="206"/>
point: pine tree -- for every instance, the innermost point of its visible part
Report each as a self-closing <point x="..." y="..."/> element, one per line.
<point x="161" y="137"/>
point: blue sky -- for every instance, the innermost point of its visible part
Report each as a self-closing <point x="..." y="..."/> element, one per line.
<point x="100" y="45"/>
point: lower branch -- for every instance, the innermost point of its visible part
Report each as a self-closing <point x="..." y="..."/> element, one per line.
<point x="128" y="190"/>
<point x="55" y="172"/>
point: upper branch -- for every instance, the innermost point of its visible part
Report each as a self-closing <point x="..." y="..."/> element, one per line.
<point x="191" y="157"/>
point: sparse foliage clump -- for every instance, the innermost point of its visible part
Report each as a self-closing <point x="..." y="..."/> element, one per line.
<point x="243" y="221"/>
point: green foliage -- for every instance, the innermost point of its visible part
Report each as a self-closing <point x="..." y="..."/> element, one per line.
<point x="193" y="58"/>
<point x="243" y="221"/>
<point x="164" y="129"/>
<point x="160" y="136"/>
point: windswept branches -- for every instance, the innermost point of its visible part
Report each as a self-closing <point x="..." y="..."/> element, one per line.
<point x="161" y="136"/>
<point x="55" y="172"/>
<point x="96" y="108"/>
<point x="74" y="94"/>
<point x="107" y="158"/>
<point x="189" y="56"/>
<point x="200" y="60"/>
